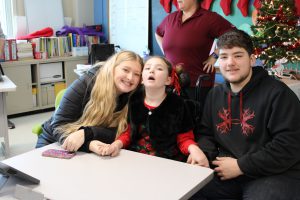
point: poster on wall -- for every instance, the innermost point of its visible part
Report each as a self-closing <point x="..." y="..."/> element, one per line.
<point x="42" y="14"/>
<point x="128" y="24"/>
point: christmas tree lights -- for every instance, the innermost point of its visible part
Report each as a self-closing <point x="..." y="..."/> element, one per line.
<point x="276" y="33"/>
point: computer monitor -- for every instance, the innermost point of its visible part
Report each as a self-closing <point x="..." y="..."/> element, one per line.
<point x="100" y="52"/>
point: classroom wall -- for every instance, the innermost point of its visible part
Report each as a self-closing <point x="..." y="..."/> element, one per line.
<point x="101" y="15"/>
<point x="68" y="7"/>
<point x="157" y="14"/>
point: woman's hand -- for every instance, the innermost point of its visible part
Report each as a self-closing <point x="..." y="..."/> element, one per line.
<point x="209" y="64"/>
<point x="197" y="157"/>
<point x="74" y="141"/>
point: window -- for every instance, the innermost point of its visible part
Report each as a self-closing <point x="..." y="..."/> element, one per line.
<point x="6" y="17"/>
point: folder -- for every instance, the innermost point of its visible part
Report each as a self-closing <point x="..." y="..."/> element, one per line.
<point x="58" y="87"/>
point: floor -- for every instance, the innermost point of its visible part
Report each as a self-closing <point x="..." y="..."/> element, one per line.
<point x="21" y="139"/>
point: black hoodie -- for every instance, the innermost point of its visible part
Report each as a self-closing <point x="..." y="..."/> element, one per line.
<point x="260" y="126"/>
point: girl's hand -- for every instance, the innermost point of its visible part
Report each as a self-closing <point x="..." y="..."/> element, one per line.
<point x="97" y="147"/>
<point x="113" y="149"/>
<point x="197" y="157"/>
<point x="74" y="141"/>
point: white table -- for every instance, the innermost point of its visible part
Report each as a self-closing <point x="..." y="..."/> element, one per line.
<point x="129" y="176"/>
<point x="5" y="86"/>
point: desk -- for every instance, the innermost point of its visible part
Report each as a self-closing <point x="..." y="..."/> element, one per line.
<point x="5" y="86"/>
<point x="130" y="175"/>
<point x="294" y="85"/>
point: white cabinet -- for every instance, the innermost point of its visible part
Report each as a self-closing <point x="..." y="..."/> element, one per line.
<point x="70" y="65"/>
<point x="30" y="94"/>
<point x="21" y="99"/>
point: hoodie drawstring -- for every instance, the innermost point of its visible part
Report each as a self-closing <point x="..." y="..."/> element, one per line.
<point x="241" y="107"/>
<point x="229" y="109"/>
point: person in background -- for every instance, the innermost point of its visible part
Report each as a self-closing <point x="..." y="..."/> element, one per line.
<point x="160" y="122"/>
<point x="250" y="129"/>
<point x="187" y="36"/>
<point x="94" y="108"/>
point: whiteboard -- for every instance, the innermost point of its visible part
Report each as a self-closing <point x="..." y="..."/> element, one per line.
<point x="43" y="13"/>
<point x="128" y="24"/>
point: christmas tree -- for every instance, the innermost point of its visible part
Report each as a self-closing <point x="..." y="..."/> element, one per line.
<point x="276" y="33"/>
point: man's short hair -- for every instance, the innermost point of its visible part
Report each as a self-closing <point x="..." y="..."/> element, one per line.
<point x="236" y="38"/>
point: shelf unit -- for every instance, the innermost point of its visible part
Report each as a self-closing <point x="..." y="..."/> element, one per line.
<point x="26" y="75"/>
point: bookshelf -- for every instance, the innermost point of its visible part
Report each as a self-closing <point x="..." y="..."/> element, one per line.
<point x="26" y="75"/>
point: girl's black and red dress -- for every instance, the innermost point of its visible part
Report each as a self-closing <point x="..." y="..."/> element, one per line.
<point x="164" y="131"/>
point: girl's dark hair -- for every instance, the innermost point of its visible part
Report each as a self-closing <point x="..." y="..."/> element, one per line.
<point x="236" y="38"/>
<point x="164" y="60"/>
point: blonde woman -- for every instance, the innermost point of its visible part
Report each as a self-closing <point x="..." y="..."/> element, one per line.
<point x="94" y="108"/>
<point x="160" y="122"/>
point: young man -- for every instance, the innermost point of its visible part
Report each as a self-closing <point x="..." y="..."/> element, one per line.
<point x="250" y="129"/>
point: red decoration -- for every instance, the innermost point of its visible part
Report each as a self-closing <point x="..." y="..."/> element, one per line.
<point x="45" y="32"/>
<point x="257" y="4"/>
<point x="225" y="5"/>
<point x="167" y="5"/>
<point x="175" y="3"/>
<point x="279" y="13"/>
<point x="294" y="46"/>
<point x="243" y="6"/>
<point x="175" y="81"/>
<point x="257" y="51"/>
<point x="206" y="4"/>
<point x="297" y="5"/>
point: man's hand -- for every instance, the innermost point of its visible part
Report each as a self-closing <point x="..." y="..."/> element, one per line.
<point x="197" y="157"/>
<point x="227" y="168"/>
<point x="74" y="141"/>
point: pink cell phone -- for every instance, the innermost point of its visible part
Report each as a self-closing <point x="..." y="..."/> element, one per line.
<point x="56" y="153"/>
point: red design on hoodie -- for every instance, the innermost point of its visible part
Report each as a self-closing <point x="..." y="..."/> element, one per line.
<point x="245" y="115"/>
<point x="247" y="128"/>
<point x="225" y="126"/>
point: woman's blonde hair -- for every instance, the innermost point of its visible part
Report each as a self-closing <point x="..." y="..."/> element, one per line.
<point x="100" y="109"/>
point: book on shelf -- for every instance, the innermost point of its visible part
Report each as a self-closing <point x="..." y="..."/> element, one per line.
<point x="53" y="46"/>
<point x="10" y="50"/>
<point x="24" y="50"/>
